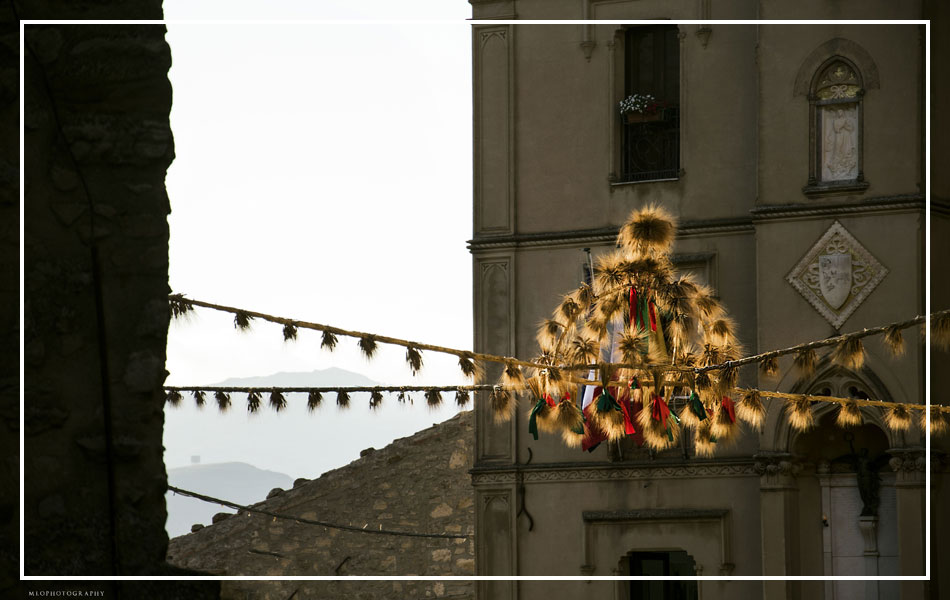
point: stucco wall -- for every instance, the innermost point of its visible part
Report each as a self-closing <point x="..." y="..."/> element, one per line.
<point x="416" y="484"/>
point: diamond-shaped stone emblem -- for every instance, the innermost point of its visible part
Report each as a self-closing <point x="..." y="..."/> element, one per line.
<point x="836" y="275"/>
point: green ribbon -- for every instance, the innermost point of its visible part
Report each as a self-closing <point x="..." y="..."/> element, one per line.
<point x="533" y="419"/>
<point x="606" y="402"/>
<point x="669" y="430"/>
<point x="696" y="406"/>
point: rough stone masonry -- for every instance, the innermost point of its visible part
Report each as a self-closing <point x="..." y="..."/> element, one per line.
<point x="419" y="484"/>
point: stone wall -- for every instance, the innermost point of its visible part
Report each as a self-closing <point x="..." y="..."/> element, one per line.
<point x="97" y="145"/>
<point x="416" y="484"/>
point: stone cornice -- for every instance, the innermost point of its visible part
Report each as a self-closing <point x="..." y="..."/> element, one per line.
<point x="899" y="203"/>
<point x="569" y="472"/>
<point x="601" y="236"/>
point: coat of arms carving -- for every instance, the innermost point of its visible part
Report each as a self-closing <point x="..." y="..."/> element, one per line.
<point x="836" y="275"/>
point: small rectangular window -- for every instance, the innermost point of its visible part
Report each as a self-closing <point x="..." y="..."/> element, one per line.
<point x="650" y="143"/>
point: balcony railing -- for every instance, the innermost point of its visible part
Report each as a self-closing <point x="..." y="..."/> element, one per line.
<point x="650" y="149"/>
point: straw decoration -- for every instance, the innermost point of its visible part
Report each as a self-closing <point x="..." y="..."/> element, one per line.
<point x="467" y="365"/>
<point x="290" y="332"/>
<point x="433" y="398"/>
<point x="342" y="399"/>
<point x="173" y="398"/>
<point x="724" y="426"/>
<point x="894" y="340"/>
<point x="461" y="397"/>
<point x="314" y="398"/>
<point x="849" y="353"/>
<point x="897" y="418"/>
<point x="328" y="341"/>
<point x="277" y="401"/>
<point x="800" y="416"/>
<point x="703" y="440"/>
<point x="938" y="421"/>
<point x="502" y="406"/>
<point x="769" y="367"/>
<point x="223" y="399"/>
<point x="650" y="229"/>
<point x="253" y="401"/>
<point x="414" y="358"/>
<point x="179" y="308"/>
<point x="368" y="345"/>
<point x="512" y="377"/>
<point x="940" y="331"/>
<point x="806" y="361"/>
<point x="375" y="399"/>
<point x="751" y="409"/>
<point x="849" y="415"/>
<point x="199" y="397"/>
<point x="242" y="321"/>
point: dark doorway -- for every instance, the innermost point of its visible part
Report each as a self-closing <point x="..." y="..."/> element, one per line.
<point x="676" y="562"/>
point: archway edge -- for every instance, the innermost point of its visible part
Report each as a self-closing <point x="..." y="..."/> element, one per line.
<point x="844" y="48"/>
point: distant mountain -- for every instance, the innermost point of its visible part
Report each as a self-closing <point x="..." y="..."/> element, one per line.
<point x="318" y="378"/>
<point x="235" y="481"/>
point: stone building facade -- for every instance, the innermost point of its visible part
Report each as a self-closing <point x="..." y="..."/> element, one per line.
<point x="778" y="145"/>
<point x="97" y="144"/>
<point x="415" y="484"/>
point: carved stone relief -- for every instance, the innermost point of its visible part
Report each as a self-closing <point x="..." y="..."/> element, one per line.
<point x="836" y="275"/>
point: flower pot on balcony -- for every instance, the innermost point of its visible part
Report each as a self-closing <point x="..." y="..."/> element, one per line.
<point x="635" y="117"/>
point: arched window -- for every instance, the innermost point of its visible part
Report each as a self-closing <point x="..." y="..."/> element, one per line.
<point x="836" y="114"/>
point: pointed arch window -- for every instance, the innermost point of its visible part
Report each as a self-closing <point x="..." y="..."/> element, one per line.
<point x="836" y="115"/>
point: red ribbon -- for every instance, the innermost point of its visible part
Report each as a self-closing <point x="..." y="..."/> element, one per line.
<point x="633" y="306"/>
<point x="626" y="407"/>
<point x="550" y="400"/>
<point x="660" y="410"/>
<point x="730" y="407"/>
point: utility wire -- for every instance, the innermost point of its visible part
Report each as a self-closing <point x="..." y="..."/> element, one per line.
<point x="303" y="521"/>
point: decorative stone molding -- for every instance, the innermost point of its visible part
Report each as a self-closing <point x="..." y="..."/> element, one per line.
<point x="909" y="464"/>
<point x="868" y="526"/>
<point x="777" y="470"/>
<point x="582" y="472"/>
<point x="836" y="275"/>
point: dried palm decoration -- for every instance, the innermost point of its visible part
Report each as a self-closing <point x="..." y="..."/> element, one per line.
<point x="253" y="401"/>
<point x="800" y="416"/>
<point x="242" y="320"/>
<point x="468" y="365"/>
<point x="751" y="410"/>
<point x="433" y="398"/>
<point x="375" y="399"/>
<point x="290" y="332"/>
<point x="368" y="345"/>
<point x="693" y="412"/>
<point x="769" y="367"/>
<point x="199" y="397"/>
<point x="658" y="424"/>
<point x="897" y="418"/>
<point x="724" y="426"/>
<point x="940" y="331"/>
<point x="502" y="406"/>
<point x="938" y="421"/>
<point x="637" y="310"/>
<point x="703" y="440"/>
<point x="461" y="397"/>
<point x="173" y="397"/>
<point x="328" y="340"/>
<point x="223" y="399"/>
<point x="849" y="353"/>
<point x="805" y="362"/>
<point x="342" y="399"/>
<point x="314" y="399"/>
<point x="849" y="415"/>
<point x="414" y="358"/>
<point x="277" y="401"/>
<point x="727" y="379"/>
<point x="894" y="340"/>
<point x="570" y="420"/>
<point x="512" y="377"/>
<point x="179" y="307"/>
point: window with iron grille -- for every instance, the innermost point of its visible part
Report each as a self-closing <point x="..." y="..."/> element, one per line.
<point x="650" y="140"/>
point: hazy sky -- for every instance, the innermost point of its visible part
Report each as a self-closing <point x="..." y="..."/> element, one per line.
<point x="322" y="172"/>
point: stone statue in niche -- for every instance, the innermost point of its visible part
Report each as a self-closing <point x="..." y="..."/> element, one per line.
<point x="839" y="125"/>
<point x="869" y="481"/>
